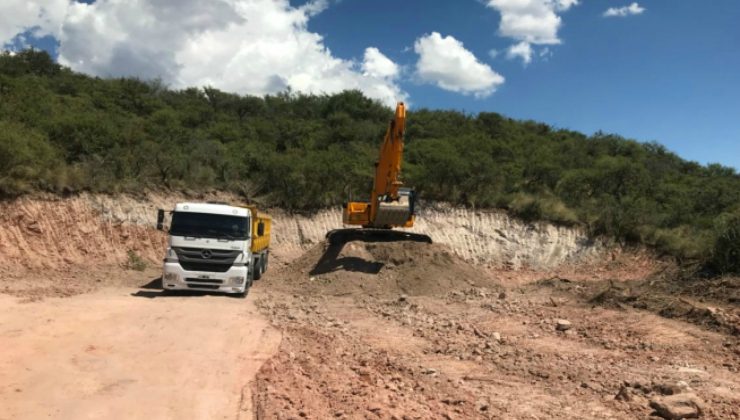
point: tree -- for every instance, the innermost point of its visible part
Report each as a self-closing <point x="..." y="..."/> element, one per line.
<point x="27" y="160"/>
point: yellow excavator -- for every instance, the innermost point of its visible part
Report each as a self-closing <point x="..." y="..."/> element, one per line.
<point x="391" y="205"/>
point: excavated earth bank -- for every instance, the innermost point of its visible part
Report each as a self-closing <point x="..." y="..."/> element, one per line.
<point x="50" y="232"/>
<point x="49" y="245"/>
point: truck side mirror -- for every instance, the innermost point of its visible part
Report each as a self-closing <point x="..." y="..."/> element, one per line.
<point x="160" y="219"/>
<point x="261" y="229"/>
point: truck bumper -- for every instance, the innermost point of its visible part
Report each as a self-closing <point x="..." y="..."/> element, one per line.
<point x="174" y="277"/>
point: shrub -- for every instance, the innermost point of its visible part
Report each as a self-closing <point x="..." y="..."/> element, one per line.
<point x="726" y="252"/>
<point x="135" y="262"/>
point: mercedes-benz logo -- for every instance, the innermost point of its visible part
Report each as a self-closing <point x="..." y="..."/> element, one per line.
<point x="206" y="254"/>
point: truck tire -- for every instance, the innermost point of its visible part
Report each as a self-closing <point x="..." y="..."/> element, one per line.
<point x="264" y="263"/>
<point x="257" y="266"/>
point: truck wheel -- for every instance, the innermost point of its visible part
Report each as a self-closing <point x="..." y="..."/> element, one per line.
<point x="257" y="270"/>
<point x="264" y="263"/>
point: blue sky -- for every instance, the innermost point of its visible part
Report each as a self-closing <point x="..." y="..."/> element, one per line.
<point x="669" y="74"/>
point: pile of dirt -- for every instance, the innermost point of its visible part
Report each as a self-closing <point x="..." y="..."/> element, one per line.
<point x="381" y="268"/>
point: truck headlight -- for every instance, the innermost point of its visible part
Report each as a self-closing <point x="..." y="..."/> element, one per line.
<point x="171" y="255"/>
<point x="171" y="277"/>
<point x="236" y="280"/>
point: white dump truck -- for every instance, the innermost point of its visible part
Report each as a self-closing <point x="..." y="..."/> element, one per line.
<point x="215" y="247"/>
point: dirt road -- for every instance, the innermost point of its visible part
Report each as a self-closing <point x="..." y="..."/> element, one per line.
<point x="126" y="353"/>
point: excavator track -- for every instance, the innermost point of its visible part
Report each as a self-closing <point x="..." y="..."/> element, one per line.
<point x="342" y="236"/>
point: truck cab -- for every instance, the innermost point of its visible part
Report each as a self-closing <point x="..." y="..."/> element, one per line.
<point x="214" y="247"/>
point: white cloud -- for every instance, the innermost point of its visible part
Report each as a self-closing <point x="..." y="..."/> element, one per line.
<point x="245" y="46"/>
<point x="522" y="50"/>
<point x="530" y="22"/>
<point x="375" y="64"/>
<point x="632" y="9"/>
<point x="446" y="63"/>
<point x="493" y="53"/>
<point x="19" y="16"/>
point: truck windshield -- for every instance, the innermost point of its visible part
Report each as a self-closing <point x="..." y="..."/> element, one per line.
<point x="210" y="225"/>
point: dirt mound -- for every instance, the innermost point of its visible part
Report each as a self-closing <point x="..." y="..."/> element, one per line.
<point x="381" y="268"/>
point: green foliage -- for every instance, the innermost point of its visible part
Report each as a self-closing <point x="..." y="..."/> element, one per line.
<point x="66" y="132"/>
<point x="27" y="160"/>
<point x="135" y="262"/>
<point x="726" y="252"/>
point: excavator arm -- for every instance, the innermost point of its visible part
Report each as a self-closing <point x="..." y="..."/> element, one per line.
<point x="390" y="204"/>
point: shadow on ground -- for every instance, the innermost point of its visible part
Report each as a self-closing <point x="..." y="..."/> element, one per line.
<point x="153" y="289"/>
<point x="330" y="260"/>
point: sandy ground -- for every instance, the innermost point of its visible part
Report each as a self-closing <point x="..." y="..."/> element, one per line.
<point x="125" y="353"/>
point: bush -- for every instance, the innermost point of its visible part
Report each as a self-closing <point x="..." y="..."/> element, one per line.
<point x="27" y="160"/>
<point x="135" y="262"/>
<point x="726" y="252"/>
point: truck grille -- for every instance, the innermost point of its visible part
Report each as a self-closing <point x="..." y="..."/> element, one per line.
<point x="210" y="281"/>
<point x="204" y="259"/>
<point x="203" y="286"/>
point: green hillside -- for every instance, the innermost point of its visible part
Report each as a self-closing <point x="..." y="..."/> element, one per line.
<point x="65" y="132"/>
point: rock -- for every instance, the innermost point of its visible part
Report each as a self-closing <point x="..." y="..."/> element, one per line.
<point x="478" y="333"/>
<point x="496" y="336"/>
<point x="671" y="388"/>
<point x="375" y="409"/>
<point x="403" y="298"/>
<point x="35" y="227"/>
<point x="676" y="407"/>
<point x="482" y="405"/>
<point x="563" y="325"/>
<point x="624" y="394"/>
<point x="502" y="295"/>
<point x="429" y="371"/>
<point x="683" y="386"/>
